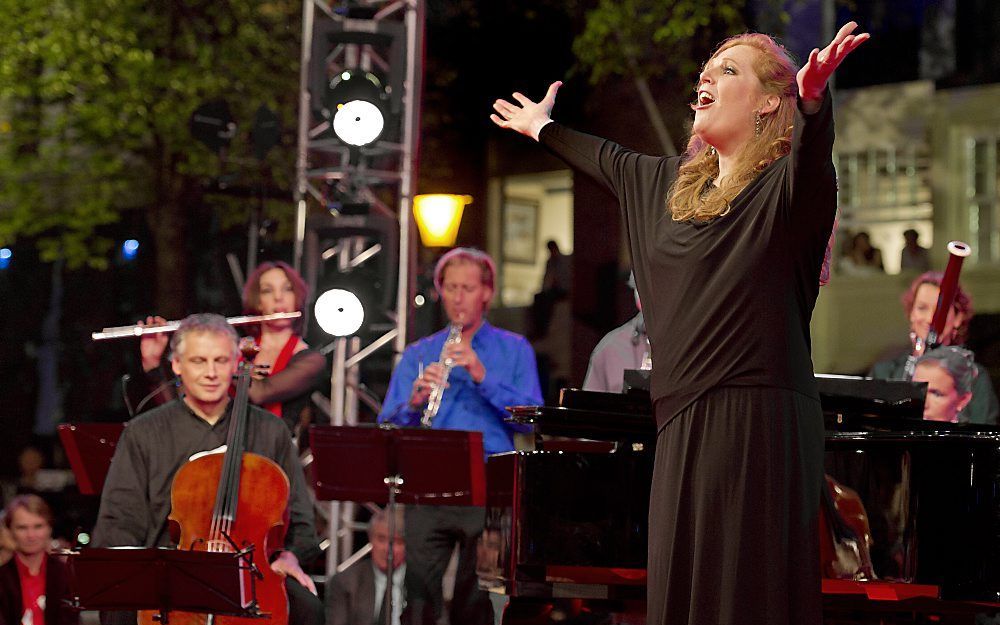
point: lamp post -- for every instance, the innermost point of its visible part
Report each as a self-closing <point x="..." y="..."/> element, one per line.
<point x="438" y="216"/>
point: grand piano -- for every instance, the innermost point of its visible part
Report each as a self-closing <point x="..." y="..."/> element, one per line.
<point x="910" y="520"/>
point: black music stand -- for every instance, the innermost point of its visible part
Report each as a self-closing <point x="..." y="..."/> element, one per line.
<point x="89" y="448"/>
<point x="166" y="580"/>
<point x="389" y="465"/>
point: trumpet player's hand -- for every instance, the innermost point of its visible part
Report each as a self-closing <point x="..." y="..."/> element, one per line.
<point x="152" y="346"/>
<point x="430" y="376"/>
<point x="464" y="356"/>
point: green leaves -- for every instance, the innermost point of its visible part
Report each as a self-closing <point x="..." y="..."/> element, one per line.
<point x="644" y="38"/>
<point x="95" y="97"/>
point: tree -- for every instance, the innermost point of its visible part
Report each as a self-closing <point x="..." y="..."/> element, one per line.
<point x="95" y="98"/>
<point x="640" y="39"/>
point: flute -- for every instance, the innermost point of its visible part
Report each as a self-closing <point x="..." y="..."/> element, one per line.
<point x="120" y="332"/>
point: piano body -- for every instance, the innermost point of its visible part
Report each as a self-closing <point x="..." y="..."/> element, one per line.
<point x="566" y="524"/>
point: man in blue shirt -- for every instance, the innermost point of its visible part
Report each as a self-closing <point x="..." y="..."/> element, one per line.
<point x="492" y="369"/>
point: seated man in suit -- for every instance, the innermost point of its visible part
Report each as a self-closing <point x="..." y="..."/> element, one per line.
<point x="357" y="595"/>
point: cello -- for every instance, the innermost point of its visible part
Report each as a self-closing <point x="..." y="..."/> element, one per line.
<point x="233" y="502"/>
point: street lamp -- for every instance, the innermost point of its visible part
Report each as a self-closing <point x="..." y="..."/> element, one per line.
<point x="438" y="216"/>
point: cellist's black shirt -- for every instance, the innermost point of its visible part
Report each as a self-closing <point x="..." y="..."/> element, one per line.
<point x="727" y="302"/>
<point x="135" y="501"/>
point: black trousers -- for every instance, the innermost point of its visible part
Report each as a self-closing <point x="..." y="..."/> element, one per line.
<point x="431" y="534"/>
<point x="304" y="608"/>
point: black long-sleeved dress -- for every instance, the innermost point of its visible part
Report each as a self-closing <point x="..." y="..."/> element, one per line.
<point x="727" y="303"/>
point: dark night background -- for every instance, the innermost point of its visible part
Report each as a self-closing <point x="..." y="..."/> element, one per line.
<point x="476" y="51"/>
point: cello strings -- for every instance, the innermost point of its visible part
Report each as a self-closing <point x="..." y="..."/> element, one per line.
<point x="234" y="460"/>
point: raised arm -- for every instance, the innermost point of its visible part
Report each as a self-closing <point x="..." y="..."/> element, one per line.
<point x="606" y="162"/>
<point x="526" y="117"/>
<point x="812" y="175"/>
<point x="299" y="376"/>
<point x="815" y="74"/>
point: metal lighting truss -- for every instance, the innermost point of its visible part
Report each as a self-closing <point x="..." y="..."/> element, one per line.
<point x="381" y="175"/>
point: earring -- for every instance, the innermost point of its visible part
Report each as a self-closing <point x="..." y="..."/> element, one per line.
<point x="758" y="124"/>
<point x="711" y="150"/>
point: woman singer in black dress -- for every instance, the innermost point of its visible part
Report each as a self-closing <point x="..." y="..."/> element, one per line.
<point x="727" y="244"/>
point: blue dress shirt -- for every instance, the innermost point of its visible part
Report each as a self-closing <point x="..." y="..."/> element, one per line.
<point x="511" y="380"/>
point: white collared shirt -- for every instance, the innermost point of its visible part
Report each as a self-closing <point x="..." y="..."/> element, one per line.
<point x="397" y="590"/>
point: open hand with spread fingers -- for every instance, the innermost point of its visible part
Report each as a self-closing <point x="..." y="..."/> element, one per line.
<point x="526" y="117"/>
<point x="813" y="76"/>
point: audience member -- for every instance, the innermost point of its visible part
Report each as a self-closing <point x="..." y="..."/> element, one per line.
<point x="357" y="595"/>
<point x="555" y="287"/>
<point x="913" y="257"/>
<point x="6" y="544"/>
<point x="863" y="258"/>
<point x="33" y="583"/>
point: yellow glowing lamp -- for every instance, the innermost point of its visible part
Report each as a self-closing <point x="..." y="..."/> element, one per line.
<point x="438" y="216"/>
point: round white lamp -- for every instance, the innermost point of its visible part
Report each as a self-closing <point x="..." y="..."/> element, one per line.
<point x="339" y="312"/>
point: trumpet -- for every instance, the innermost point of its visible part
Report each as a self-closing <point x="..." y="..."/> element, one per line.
<point x="121" y="332"/>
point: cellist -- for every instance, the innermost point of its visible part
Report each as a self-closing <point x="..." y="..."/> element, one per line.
<point x="135" y="502"/>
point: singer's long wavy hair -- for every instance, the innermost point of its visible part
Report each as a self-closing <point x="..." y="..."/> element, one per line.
<point x="692" y="196"/>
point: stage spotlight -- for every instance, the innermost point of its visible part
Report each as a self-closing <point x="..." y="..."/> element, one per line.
<point x="339" y="312"/>
<point x="355" y="103"/>
<point x="5" y="257"/>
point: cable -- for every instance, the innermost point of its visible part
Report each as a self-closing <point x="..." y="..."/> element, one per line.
<point x="128" y="405"/>
<point x="155" y="392"/>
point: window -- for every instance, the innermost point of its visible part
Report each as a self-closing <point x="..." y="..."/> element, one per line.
<point x="981" y="182"/>
<point x="885" y="191"/>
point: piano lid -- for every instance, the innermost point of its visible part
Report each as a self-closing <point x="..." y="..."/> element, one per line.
<point x="869" y="397"/>
<point x="593" y="415"/>
<point x="848" y="403"/>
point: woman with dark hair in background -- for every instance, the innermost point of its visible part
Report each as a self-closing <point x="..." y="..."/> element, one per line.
<point x="919" y="302"/>
<point x="728" y="244"/>
<point x="295" y="368"/>
<point x="863" y="258"/>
